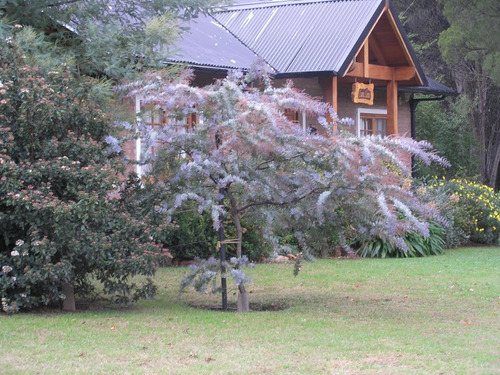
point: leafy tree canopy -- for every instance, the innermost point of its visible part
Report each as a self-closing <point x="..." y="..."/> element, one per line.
<point x="473" y="34"/>
<point x="113" y="38"/>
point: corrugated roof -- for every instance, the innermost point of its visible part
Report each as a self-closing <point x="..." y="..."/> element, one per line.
<point x="293" y="37"/>
<point x="208" y="44"/>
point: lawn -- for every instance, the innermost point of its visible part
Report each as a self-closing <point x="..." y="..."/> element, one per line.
<point x="436" y="315"/>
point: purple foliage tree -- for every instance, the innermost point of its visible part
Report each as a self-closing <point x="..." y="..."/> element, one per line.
<point x="245" y="147"/>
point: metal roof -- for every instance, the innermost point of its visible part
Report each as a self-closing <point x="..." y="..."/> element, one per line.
<point x="207" y="44"/>
<point x="302" y="36"/>
<point x="295" y="38"/>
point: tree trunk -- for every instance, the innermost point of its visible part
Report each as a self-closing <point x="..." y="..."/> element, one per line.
<point x="243" y="304"/>
<point x="69" y="302"/>
<point x="494" y="166"/>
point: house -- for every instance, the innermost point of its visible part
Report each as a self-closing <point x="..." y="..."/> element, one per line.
<point x="353" y="54"/>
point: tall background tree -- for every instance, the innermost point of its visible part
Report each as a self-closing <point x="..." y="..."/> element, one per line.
<point x="471" y="47"/>
<point x="457" y="43"/>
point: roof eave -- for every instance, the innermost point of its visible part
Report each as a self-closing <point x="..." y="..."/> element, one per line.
<point x="327" y="73"/>
<point x="432" y="88"/>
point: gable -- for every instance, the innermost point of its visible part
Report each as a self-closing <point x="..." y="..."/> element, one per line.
<point x="386" y="54"/>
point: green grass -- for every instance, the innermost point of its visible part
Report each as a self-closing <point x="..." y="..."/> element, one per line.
<point x="436" y="315"/>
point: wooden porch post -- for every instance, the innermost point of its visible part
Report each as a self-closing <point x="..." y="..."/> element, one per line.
<point x="392" y="107"/>
<point x="330" y="85"/>
<point x="366" y="59"/>
<point x="333" y="99"/>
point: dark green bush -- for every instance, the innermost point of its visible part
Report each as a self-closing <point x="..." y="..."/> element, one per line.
<point x="195" y="237"/>
<point x="62" y="227"/>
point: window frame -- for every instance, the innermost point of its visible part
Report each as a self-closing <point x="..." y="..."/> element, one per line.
<point x="369" y="112"/>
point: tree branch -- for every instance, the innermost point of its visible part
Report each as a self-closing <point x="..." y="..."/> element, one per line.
<point x="260" y="168"/>
<point x="67" y="2"/>
<point x="281" y="204"/>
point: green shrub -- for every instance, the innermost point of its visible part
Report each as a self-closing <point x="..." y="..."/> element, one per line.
<point x="195" y="237"/>
<point x="192" y="234"/>
<point x="418" y="245"/>
<point x="62" y="226"/>
<point x="437" y="195"/>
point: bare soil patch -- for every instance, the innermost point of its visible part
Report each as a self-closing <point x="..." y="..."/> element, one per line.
<point x="254" y="307"/>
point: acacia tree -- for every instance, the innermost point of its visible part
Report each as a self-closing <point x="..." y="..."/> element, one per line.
<point x="246" y="151"/>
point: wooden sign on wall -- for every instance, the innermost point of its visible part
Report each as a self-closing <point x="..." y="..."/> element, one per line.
<point x="362" y="93"/>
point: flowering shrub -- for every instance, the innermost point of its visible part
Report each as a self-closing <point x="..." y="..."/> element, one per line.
<point x="62" y="222"/>
<point x="437" y="195"/>
<point x="477" y="208"/>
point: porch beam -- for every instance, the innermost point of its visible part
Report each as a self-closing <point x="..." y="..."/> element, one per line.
<point x="377" y="51"/>
<point x="380" y="72"/>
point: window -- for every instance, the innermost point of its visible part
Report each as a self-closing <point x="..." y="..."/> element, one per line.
<point x="372" y="122"/>
<point x="296" y="117"/>
<point x="291" y="115"/>
<point x="155" y="117"/>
